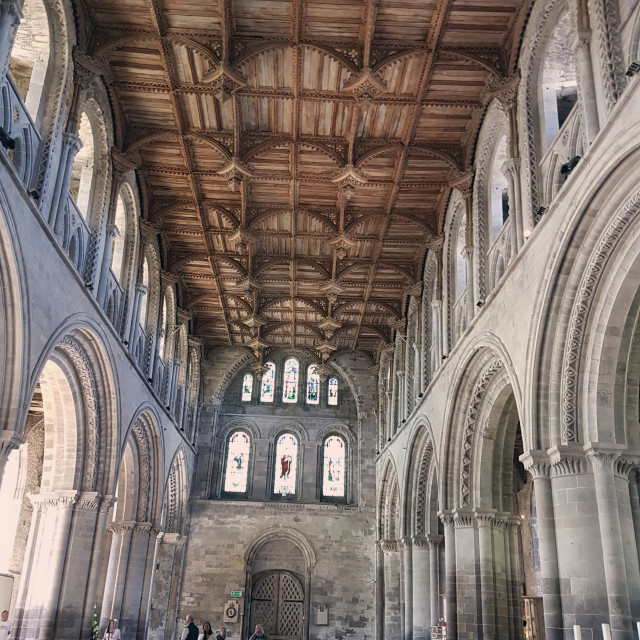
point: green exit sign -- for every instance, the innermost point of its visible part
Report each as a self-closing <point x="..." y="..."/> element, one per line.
<point x="236" y="594"/>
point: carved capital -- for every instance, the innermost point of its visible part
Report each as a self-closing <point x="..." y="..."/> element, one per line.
<point x="566" y="460"/>
<point x="121" y="528"/>
<point x="53" y="500"/>
<point x="9" y="440"/>
<point x="89" y="501"/>
<point x="73" y="142"/>
<point x="511" y="168"/>
<point x="462" y="518"/>
<point x="484" y="518"/>
<point x="537" y="463"/>
<point x="446" y="517"/>
<point x="435" y="541"/>
<point x="142" y="528"/>
<point x="389" y="546"/>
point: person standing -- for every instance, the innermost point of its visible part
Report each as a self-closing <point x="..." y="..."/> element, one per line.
<point x="190" y="631"/>
<point x="206" y="632"/>
<point x="260" y="634"/>
<point x="5" y="625"/>
<point x="113" y="631"/>
<point x="222" y="634"/>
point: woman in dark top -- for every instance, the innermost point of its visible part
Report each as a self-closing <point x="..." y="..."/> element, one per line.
<point x="259" y="634"/>
<point x="206" y="632"/>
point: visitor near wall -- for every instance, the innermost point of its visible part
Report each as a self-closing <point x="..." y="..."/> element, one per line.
<point x="5" y="625"/>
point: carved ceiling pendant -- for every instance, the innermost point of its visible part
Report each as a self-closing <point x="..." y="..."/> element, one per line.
<point x="297" y="161"/>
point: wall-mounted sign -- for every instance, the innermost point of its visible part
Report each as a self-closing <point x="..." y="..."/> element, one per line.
<point x="236" y="594"/>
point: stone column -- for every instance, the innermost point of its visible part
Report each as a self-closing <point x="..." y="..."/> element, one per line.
<point x="511" y="169"/>
<point x="539" y="466"/>
<point x="434" y="579"/>
<point x="406" y="580"/>
<point x="392" y="613"/>
<point x="71" y="144"/>
<point x="421" y="571"/>
<point x="436" y="318"/>
<point x="468" y="616"/>
<point x="634" y="497"/>
<point x="140" y="293"/>
<point x="484" y="523"/>
<point x="121" y="533"/>
<point x="10" y="16"/>
<point x="96" y="561"/>
<point x="380" y="602"/>
<point x="602" y="464"/>
<point x="512" y="524"/>
<point x="586" y="82"/>
<point x="402" y="396"/>
<point x="467" y="253"/>
<point x="135" y="579"/>
<point x="451" y="610"/>
<point x="9" y="440"/>
<point x="45" y="574"/>
<point x="112" y="232"/>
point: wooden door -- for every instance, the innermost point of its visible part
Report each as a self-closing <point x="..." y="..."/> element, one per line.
<point x="277" y="603"/>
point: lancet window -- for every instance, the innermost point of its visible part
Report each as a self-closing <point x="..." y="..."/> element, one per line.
<point x="332" y="392"/>
<point x="290" y="381"/>
<point x="247" y="388"/>
<point x="286" y="465"/>
<point x="268" y="383"/>
<point x="313" y="385"/>
<point x="237" y="467"/>
<point x="334" y="467"/>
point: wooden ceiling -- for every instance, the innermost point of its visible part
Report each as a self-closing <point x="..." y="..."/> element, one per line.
<point x="297" y="155"/>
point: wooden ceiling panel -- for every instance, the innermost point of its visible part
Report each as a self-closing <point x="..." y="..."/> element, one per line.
<point x="385" y="121"/>
<point x="404" y="20"/>
<point x="332" y="20"/>
<point x="324" y="119"/>
<point x="272" y="115"/>
<point x="192" y="15"/>
<point x="322" y="71"/>
<point x="297" y="154"/>
<point x="253" y="18"/>
<point x="270" y="69"/>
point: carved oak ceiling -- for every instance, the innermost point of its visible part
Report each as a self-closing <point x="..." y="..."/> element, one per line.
<point x="297" y="155"/>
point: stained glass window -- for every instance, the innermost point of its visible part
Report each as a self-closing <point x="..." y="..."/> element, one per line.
<point x="286" y="464"/>
<point x="290" y="381"/>
<point x="313" y="385"/>
<point x="247" y="387"/>
<point x="268" y="383"/>
<point x="236" y="473"/>
<point x="333" y="467"/>
<point x="332" y="395"/>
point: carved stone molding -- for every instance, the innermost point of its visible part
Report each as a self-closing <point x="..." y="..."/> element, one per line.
<point x="89" y="501"/>
<point x="53" y="500"/>
<point x="389" y="546"/>
<point x="537" y="463"/>
<point x="462" y="518"/>
<point x="567" y="461"/>
<point x="121" y="528"/>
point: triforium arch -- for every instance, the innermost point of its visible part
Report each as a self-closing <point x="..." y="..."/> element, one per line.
<point x="422" y="559"/>
<point x="72" y="421"/>
<point x="279" y="565"/>
<point x="135" y="515"/>
<point x="588" y="412"/>
<point x="483" y="502"/>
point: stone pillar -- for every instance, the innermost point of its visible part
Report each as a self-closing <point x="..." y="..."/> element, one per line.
<point x="484" y="522"/>
<point x="586" y="83"/>
<point x="402" y="396"/>
<point x="434" y="579"/>
<point x="392" y="612"/>
<point x="9" y="440"/>
<point x="38" y="616"/>
<point x="605" y="23"/>
<point x="512" y="524"/>
<point x="135" y="579"/>
<point x="380" y="602"/>
<point x="511" y="169"/>
<point x="539" y="466"/>
<point x="71" y="144"/>
<point x="451" y="608"/>
<point x="575" y="511"/>
<point x="10" y="16"/>
<point x="421" y="571"/>
<point x="634" y="497"/>
<point x="467" y="253"/>
<point x="406" y="581"/>
<point x="121" y="533"/>
<point x="468" y="616"/>
<point x="436" y="318"/>
<point x="140" y="293"/>
<point x="96" y="561"/>
<point x="112" y="232"/>
<point x="602" y="464"/>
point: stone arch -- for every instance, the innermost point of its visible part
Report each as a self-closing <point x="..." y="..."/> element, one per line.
<point x="454" y="225"/>
<point x="585" y="254"/>
<point x="412" y="351"/>
<point x="176" y="494"/>
<point x="494" y="126"/>
<point x="280" y="533"/>
<point x="389" y="526"/>
<point x="80" y="398"/>
<point x="13" y="332"/>
<point x="421" y="497"/>
<point x="430" y="336"/>
<point x="541" y="23"/>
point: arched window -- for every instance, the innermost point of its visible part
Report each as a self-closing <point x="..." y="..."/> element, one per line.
<point x="30" y="57"/>
<point x="119" y="242"/>
<point x="498" y="189"/>
<point x="286" y="465"/>
<point x="247" y="388"/>
<point x="290" y="381"/>
<point x="144" y="303"/>
<point x="332" y="392"/>
<point x="236" y="474"/>
<point x="313" y="385"/>
<point x="82" y="171"/>
<point x="268" y="383"/>
<point x="334" y="462"/>
<point x="461" y="263"/>
<point x="164" y="324"/>
<point x="559" y="79"/>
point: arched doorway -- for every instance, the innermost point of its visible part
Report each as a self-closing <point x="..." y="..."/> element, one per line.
<point x="277" y="603"/>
